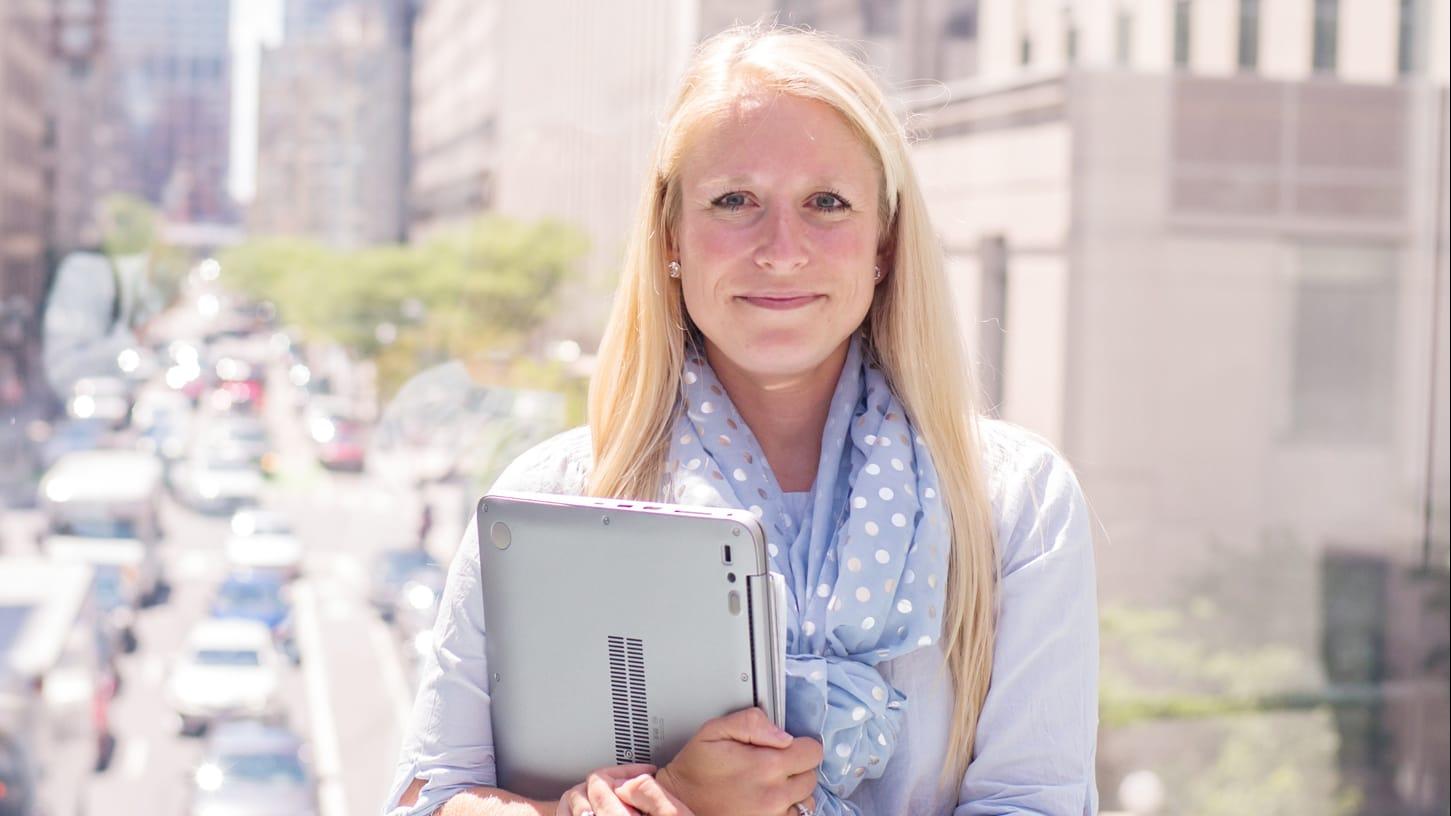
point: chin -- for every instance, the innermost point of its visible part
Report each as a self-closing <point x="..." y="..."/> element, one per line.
<point x="779" y="353"/>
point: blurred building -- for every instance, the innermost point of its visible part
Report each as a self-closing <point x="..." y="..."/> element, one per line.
<point x="455" y="107"/>
<point x="173" y="62"/>
<point x="332" y="127"/>
<point x="1202" y="246"/>
<point x="86" y="155"/>
<point x="24" y="198"/>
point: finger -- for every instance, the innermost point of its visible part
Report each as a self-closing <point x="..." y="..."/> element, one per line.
<point x="803" y="755"/>
<point x="573" y="802"/>
<point x="801" y="786"/>
<point x="644" y="793"/>
<point x="603" y="799"/>
<point x="749" y="725"/>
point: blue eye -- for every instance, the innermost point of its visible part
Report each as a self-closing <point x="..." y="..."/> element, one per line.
<point x="830" y="202"/>
<point x="731" y="201"/>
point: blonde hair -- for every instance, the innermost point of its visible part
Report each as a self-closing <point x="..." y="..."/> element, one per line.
<point x="910" y="328"/>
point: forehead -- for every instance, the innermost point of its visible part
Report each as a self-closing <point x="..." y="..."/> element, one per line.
<point x="774" y="135"/>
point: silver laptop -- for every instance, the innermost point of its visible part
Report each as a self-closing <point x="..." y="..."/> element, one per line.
<point x="614" y="630"/>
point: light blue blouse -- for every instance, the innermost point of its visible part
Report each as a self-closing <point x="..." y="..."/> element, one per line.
<point x="1036" y="736"/>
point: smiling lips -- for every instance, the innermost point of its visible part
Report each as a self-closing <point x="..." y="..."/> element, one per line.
<point x="780" y="301"/>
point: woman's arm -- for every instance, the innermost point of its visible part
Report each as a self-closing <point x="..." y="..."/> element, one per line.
<point x="1037" y="732"/>
<point x="482" y="802"/>
<point x="448" y="748"/>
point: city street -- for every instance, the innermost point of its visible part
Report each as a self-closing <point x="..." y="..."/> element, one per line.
<point x="351" y="693"/>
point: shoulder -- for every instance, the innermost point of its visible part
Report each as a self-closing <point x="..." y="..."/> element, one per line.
<point x="560" y="464"/>
<point x="1034" y="491"/>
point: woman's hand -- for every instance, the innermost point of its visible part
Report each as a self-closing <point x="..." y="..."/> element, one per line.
<point x="596" y="794"/>
<point x="743" y="765"/>
<point x="647" y="795"/>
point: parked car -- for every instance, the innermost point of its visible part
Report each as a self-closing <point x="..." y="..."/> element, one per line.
<point x="246" y="436"/>
<point x="57" y="681"/>
<point x="253" y="769"/>
<point x="229" y="670"/>
<point x="117" y="591"/>
<point x="259" y="597"/>
<point x="343" y="446"/>
<point x="103" y="507"/>
<point x="263" y="540"/>
<point x="17" y="778"/>
<point x="73" y="436"/>
<point x="391" y="569"/>
<point x="107" y="399"/>
<point x="217" y="482"/>
<point x="415" y="609"/>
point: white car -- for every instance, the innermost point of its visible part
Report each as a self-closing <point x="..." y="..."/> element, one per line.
<point x="263" y="540"/>
<point x="217" y="484"/>
<point x="230" y="670"/>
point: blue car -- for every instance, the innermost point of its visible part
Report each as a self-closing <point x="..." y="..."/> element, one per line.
<point x="260" y="597"/>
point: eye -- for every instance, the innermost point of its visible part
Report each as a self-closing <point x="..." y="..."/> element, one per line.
<point x="730" y="201"/>
<point x="830" y="202"/>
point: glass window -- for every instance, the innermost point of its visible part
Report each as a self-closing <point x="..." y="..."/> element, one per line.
<point x="1407" y="60"/>
<point x="1070" y="38"/>
<point x="1124" y="38"/>
<point x="1327" y="29"/>
<point x="1344" y="344"/>
<point x="1183" y="10"/>
<point x="1249" y="34"/>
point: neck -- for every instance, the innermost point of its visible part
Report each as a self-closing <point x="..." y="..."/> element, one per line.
<point x="785" y="412"/>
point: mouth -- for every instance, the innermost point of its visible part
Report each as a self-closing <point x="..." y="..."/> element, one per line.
<point x="779" y="302"/>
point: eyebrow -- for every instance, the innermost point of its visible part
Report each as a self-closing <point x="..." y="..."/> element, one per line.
<point x="746" y="181"/>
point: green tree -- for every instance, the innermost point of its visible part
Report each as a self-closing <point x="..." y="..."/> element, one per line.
<point x="472" y="292"/>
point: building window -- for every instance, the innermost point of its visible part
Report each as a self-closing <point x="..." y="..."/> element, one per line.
<point x="1344" y="344"/>
<point x="1327" y="27"/>
<point x="961" y="22"/>
<point x="1124" y="38"/>
<point x="1406" y="61"/>
<point x="881" y="17"/>
<point x="1182" y="11"/>
<point x="1249" y="34"/>
<point x="1070" y="38"/>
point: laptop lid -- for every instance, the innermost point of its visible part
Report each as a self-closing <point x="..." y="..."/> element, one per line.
<point x="614" y="630"/>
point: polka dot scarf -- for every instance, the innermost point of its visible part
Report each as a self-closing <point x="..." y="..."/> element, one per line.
<point x="864" y="569"/>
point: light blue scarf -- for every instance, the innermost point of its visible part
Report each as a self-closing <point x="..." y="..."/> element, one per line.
<point x="865" y="569"/>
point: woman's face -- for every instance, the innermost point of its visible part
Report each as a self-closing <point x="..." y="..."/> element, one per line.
<point x="777" y="235"/>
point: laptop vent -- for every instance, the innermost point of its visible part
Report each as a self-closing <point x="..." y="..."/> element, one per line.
<point x="627" y="692"/>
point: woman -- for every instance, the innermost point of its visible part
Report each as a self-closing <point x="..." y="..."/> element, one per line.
<point x="782" y="341"/>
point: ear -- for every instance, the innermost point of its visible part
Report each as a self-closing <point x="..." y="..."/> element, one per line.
<point x="887" y="249"/>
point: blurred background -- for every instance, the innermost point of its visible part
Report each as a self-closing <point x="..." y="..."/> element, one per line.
<point x="285" y="283"/>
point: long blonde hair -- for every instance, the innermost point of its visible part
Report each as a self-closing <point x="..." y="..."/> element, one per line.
<point x="910" y="327"/>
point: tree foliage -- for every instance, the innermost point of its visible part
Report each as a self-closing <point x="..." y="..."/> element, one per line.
<point x="464" y="293"/>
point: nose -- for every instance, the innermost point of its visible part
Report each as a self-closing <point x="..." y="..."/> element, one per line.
<point x="782" y="246"/>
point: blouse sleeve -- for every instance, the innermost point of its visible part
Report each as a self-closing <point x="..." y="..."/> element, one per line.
<point x="450" y="739"/>
<point x="1037" y="733"/>
<point x="449" y="742"/>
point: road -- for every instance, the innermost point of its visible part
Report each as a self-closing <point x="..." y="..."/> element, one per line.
<point x="352" y="691"/>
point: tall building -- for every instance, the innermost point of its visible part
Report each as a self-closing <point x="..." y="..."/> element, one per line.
<point x="24" y="198"/>
<point x="564" y="131"/>
<point x="86" y="150"/>
<point x="332" y="129"/>
<point x="173" y="61"/>
<point x="1202" y="248"/>
<point x="454" y="113"/>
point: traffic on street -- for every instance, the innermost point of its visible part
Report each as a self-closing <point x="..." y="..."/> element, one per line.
<point x="212" y="606"/>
